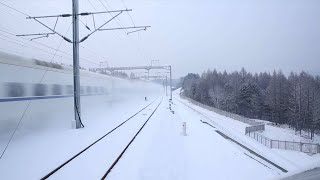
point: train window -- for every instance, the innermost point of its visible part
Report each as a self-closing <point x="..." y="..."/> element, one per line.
<point x="40" y="90"/>
<point x="88" y="90"/>
<point x="96" y="90"/>
<point x="56" y="89"/>
<point x="15" y="89"/>
<point x="101" y="90"/>
<point x="69" y="89"/>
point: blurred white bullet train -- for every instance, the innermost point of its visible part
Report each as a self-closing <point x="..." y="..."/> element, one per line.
<point x="50" y="88"/>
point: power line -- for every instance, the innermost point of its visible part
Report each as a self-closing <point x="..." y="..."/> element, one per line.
<point x="31" y="46"/>
<point x="128" y="13"/>
<point x="14" y="34"/>
<point x="13" y="42"/>
<point x="132" y="42"/>
<point x="14" y="9"/>
<point x="28" y="46"/>
<point x="118" y="22"/>
<point x="93" y="52"/>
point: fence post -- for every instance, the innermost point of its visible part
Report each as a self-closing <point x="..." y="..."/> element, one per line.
<point x="300" y="146"/>
<point x="285" y="145"/>
<point x="260" y="139"/>
<point x="271" y="143"/>
<point x="265" y="141"/>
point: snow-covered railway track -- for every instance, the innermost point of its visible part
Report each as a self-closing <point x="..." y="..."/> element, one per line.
<point x="111" y="132"/>
<point x="134" y="137"/>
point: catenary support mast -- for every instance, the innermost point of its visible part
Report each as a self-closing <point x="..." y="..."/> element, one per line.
<point x="76" y="71"/>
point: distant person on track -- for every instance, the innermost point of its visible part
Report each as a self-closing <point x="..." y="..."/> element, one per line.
<point x="145" y="98"/>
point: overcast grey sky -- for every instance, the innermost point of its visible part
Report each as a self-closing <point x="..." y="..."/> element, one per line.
<point x="191" y="35"/>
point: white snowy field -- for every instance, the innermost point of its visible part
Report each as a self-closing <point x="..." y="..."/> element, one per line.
<point x="160" y="151"/>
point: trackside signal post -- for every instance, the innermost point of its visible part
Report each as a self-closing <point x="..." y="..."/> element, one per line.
<point x="75" y="43"/>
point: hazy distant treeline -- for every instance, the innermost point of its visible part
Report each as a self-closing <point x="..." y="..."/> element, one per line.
<point x="293" y="100"/>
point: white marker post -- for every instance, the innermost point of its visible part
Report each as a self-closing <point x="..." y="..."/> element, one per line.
<point x="184" y="128"/>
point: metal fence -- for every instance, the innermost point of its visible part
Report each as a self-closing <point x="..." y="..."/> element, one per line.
<point x="260" y="127"/>
<point x="223" y="113"/>
<point x="287" y="145"/>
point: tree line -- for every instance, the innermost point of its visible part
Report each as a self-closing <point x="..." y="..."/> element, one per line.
<point x="292" y="100"/>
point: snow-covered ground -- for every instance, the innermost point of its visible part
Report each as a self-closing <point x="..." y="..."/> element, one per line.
<point x="292" y="161"/>
<point x="33" y="154"/>
<point x="160" y="151"/>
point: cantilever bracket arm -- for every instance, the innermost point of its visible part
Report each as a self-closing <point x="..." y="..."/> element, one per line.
<point x="98" y="29"/>
<point x="136" y="31"/>
<point x="133" y="27"/>
<point x="80" y="14"/>
<point x="52" y="30"/>
<point x="36" y="18"/>
<point x="40" y="35"/>
<point x="102" y="12"/>
<point x="37" y="34"/>
<point x="45" y="36"/>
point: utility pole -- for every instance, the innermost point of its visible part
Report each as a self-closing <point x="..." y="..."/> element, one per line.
<point x="76" y="71"/>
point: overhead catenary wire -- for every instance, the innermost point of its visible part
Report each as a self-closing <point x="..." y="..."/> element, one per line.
<point x="10" y="7"/>
<point x="14" y="34"/>
<point x="93" y="53"/>
<point x="118" y="22"/>
<point x="29" y="46"/>
<point x="128" y="13"/>
<point x="12" y="42"/>
<point x="132" y="42"/>
<point x="34" y="47"/>
<point x="44" y="45"/>
<point x="94" y="8"/>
